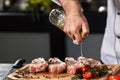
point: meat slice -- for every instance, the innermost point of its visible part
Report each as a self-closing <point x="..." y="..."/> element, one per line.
<point x="83" y="60"/>
<point x="94" y="63"/>
<point x="89" y="61"/>
<point x="56" y="65"/>
<point x="38" y="65"/>
<point x="73" y="66"/>
<point x="70" y="60"/>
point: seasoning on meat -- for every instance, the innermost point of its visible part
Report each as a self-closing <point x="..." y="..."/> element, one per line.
<point x="38" y="65"/>
<point x="56" y="65"/>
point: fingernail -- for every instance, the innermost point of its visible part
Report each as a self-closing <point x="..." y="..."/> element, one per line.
<point x="75" y="42"/>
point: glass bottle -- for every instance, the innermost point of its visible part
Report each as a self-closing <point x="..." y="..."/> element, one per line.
<point x="57" y="17"/>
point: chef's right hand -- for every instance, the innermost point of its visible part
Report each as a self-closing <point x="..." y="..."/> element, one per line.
<point x="76" y="26"/>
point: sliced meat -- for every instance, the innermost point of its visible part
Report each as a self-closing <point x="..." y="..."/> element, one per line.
<point x="56" y="65"/>
<point x="94" y="63"/>
<point x="83" y="60"/>
<point x="54" y="60"/>
<point x="73" y="66"/>
<point x="70" y="60"/>
<point x="71" y="69"/>
<point x="38" y="65"/>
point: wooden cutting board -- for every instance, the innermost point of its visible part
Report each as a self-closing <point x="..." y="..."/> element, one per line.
<point x="63" y="76"/>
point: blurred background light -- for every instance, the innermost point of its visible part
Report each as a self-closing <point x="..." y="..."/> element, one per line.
<point x="102" y="9"/>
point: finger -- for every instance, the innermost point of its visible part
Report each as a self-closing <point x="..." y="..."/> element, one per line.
<point x="75" y="42"/>
<point x="71" y="36"/>
<point x="85" y="30"/>
<point x="78" y="37"/>
<point x="67" y="31"/>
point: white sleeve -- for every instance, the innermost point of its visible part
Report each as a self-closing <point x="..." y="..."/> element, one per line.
<point x="57" y="2"/>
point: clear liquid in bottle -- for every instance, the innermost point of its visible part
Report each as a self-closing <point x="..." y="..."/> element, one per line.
<point x="57" y="17"/>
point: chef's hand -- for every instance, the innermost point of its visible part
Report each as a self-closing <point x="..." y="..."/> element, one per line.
<point x="75" y="25"/>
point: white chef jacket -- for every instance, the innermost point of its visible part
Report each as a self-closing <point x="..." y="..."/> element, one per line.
<point x="110" y="50"/>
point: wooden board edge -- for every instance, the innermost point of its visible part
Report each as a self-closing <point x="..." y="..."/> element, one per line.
<point x="116" y="67"/>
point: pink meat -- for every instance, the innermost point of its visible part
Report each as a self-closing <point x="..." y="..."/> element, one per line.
<point x="89" y="61"/>
<point x="73" y="66"/>
<point x="94" y="63"/>
<point x="38" y="65"/>
<point x="56" y="65"/>
<point x="70" y="60"/>
<point x="57" y="68"/>
<point x="72" y="69"/>
<point x="83" y="60"/>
